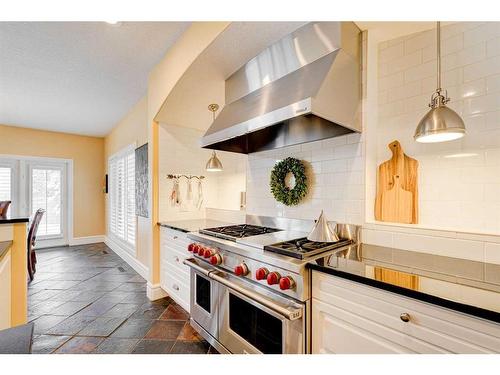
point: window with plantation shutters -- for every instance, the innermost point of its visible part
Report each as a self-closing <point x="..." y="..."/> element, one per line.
<point x="121" y="199"/>
<point x="5" y="183"/>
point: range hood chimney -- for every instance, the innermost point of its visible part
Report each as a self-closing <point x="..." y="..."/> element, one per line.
<point x="304" y="88"/>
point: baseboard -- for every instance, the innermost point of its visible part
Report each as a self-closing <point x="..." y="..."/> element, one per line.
<point x="85" y="240"/>
<point x="140" y="268"/>
<point x="154" y="291"/>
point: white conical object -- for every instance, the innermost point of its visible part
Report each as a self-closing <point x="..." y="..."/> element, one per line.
<point x="322" y="231"/>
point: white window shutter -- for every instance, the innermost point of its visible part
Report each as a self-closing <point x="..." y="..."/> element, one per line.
<point x="121" y="215"/>
<point x="5" y="181"/>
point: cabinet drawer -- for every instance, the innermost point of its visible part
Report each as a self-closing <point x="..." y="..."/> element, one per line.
<point x="174" y="238"/>
<point x="180" y="271"/>
<point x="442" y="328"/>
<point x="337" y="331"/>
<point x="177" y="289"/>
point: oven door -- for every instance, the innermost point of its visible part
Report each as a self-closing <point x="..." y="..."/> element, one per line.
<point x="251" y="322"/>
<point x="204" y="303"/>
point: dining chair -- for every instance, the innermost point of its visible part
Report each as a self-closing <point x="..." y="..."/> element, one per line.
<point x="31" y="242"/>
<point x="4" y="207"/>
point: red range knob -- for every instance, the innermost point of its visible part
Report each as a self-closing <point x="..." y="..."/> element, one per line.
<point x="191" y="247"/>
<point x="261" y="273"/>
<point x="241" y="269"/>
<point x="216" y="259"/>
<point x="196" y="248"/>
<point x="201" y="250"/>
<point x="273" y="278"/>
<point x="208" y="253"/>
<point x="286" y="283"/>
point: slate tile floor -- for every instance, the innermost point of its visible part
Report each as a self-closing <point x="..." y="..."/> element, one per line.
<point x="86" y="299"/>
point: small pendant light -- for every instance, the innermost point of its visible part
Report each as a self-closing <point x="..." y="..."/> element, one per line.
<point x="441" y="123"/>
<point x="213" y="164"/>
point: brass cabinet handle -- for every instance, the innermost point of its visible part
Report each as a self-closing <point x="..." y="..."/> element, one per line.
<point x="176" y="259"/>
<point x="405" y="317"/>
<point x="175" y="286"/>
<point x="175" y="237"/>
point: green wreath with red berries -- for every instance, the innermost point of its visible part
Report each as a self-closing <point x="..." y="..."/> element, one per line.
<point x="281" y="192"/>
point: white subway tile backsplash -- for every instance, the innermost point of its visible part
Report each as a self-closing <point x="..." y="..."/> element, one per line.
<point x="377" y="237"/>
<point x="481" y="33"/>
<point x="419" y="41"/>
<point x="493" y="47"/>
<point x="492" y="253"/>
<point x="391" y="53"/>
<point x="464" y="57"/>
<point x="482" y="69"/>
<point x="390" y="82"/>
<point x="472" y="250"/>
<point x="481" y="104"/>
<point x="419" y="72"/>
<point x="493" y="84"/>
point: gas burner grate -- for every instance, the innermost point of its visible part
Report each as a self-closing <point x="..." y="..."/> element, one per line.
<point x="233" y="232"/>
<point x="303" y="248"/>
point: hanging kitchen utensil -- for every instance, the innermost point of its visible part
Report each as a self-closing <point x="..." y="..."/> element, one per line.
<point x="175" y="195"/>
<point x="200" y="195"/>
<point x="189" y="194"/>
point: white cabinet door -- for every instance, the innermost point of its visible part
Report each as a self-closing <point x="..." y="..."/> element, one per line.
<point x="370" y="312"/>
<point x="5" y="292"/>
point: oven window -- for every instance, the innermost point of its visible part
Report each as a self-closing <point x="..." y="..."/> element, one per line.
<point x="259" y="328"/>
<point x="203" y="293"/>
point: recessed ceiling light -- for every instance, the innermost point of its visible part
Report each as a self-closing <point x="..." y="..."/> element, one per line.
<point x="114" y="23"/>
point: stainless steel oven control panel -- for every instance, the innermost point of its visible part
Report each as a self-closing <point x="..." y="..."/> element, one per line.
<point x="269" y="276"/>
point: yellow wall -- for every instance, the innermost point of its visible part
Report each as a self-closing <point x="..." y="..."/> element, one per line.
<point x="87" y="154"/>
<point x="132" y="129"/>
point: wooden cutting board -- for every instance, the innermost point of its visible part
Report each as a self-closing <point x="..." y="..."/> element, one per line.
<point x="406" y="168"/>
<point x="397" y="204"/>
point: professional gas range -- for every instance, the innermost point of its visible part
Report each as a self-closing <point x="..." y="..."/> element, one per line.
<point x="250" y="289"/>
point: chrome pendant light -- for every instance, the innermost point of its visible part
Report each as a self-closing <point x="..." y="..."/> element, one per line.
<point x="441" y="123"/>
<point x="213" y="164"/>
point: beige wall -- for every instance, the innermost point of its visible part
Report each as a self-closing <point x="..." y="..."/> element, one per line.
<point x="132" y="129"/>
<point x="87" y="154"/>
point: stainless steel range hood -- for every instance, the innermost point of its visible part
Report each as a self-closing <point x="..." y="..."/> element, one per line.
<point x="304" y="88"/>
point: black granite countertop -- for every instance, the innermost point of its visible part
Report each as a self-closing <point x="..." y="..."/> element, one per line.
<point x="193" y="225"/>
<point x="4" y="246"/>
<point x="463" y="285"/>
<point x="16" y="340"/>
<point x="13" y="219"/>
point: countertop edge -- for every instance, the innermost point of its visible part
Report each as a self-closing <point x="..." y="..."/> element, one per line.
<point x="17" y="340"/>
<point x="173" y="227"/>
<point x="14" y="220"/>
<point x="4" y="246"/>
<point x="424" y="297"/>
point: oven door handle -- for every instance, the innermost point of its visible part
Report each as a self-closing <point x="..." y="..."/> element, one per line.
<point x="192" y="263"/>
<point x="288" y="313"/>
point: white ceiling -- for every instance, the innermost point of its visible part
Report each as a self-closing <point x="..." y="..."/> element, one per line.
<point x="77" y="77"/>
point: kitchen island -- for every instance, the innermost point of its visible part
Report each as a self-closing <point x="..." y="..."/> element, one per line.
<point x="13" y="272"/>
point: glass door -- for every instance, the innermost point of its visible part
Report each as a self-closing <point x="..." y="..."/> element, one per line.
<point x="47" y="191"/>
<point x="9" y="184"/>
